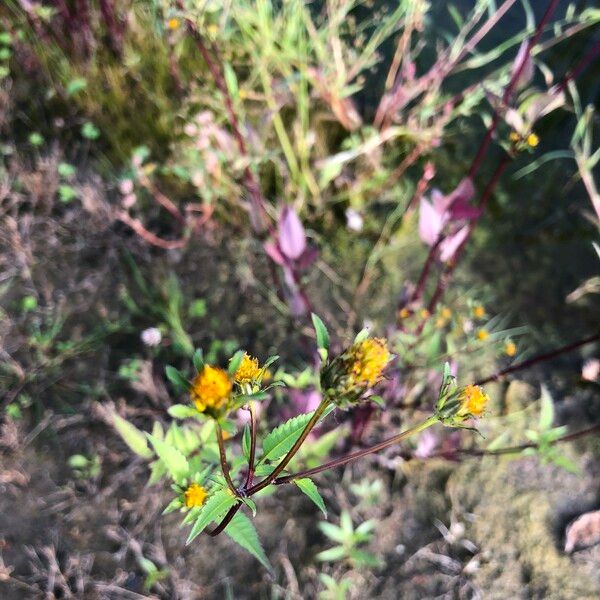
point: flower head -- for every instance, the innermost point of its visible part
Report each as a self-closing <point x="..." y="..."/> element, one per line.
<point x="514" y="137"/>
<point x="479" y="311"/>
<point x="211" y="388"/>
<point x="510" y="348"/>
<point x="368" y="360"/>
<point x="446" y="313"/>
<point x="472" y="401"/>
<point x="404" y="313"/>
<point x="173" y="24"/>
<point x="482" y="335"/>
<point x="194" y="495"/>
<point x="248" y="370"/>
<point x="532" y="140"/>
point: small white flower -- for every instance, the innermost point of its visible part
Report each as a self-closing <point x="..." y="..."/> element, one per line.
<point x="354" y="220"/>
<point x="151" y="336"/>
<point x="591" y="369"/>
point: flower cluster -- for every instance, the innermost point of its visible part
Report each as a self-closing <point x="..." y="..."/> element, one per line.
<point x="456" y="405"/>
<point x="194" y="496"/>
<point x="248" y="371"/>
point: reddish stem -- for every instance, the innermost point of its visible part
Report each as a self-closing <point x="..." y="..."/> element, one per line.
<point x="540" y="358"/>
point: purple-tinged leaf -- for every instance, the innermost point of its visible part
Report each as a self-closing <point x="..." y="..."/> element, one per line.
<point x="431" y="222"/>
<point x="292" y="238"/>
<point x="452" y="243"/>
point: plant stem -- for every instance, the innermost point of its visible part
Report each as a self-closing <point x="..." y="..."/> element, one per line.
<point x="250" y="475"/>
<point x="570" y="437"/>
<point x="226" y="520"/>
<point x="286" y="459"/>
<point x="342" y="460"/>
<point x="223" y="458"/>
<point x="512" y="84"/>
<point x="540" y="358"/>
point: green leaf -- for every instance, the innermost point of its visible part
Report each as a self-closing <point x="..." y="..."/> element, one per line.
<point x="132" y="436"/>
<point x="173" y="505"/>
<point x="335" y="553"/>
<point x="361" y="336"/>
<point x="198" y="360"/>
<point x="66" y="170"/>
<point x="310" y="489"/>
<point x="246" y="442"/>
<point x="546" y="409"/>
<point x="322" y="333"/>
<point x="282" y="438"/>
<point x="75" y="85"/>
<point x="182" y="411"/>
<point x="180" y="383"/>
<point x="89" y="131"/>
<point x="242" y="531"/>
<point x="217" y="504"/>
<point x="235" y="362"/>
<point x="174" y="460"/>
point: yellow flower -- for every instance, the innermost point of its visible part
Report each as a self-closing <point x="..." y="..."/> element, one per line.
<point x="194" y="495"/>
<point x="482" y="335"/>
<point x="446" y="313"/>
<point x="248" y="370"/>
<point x="369" y="359"/>
<point x="514" y="137"/>
<point x="440" y="322"/>
<point x="404" y="313"/>
<point x="173" y="24"/>
<point x="472" y="401"/>
<point x="243" y="94"/>
<point x="210" y="388"/>
<point x="479" y="312"/>
<point x="533" y="140"/>
<point x="212" y="30"/>
<point x="510" y="348"/>
<point x="425" y="313"/>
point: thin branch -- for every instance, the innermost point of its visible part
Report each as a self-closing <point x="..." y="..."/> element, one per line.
<point x="476" y="452"/>
<point x="540" y="358"/>
<point x="223" y="459"/>
<point x="343" y="460"/>
<point x="510" y="88"/>
<point x="226" y="520"/>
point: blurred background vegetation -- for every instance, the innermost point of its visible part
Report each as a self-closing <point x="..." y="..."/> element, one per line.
<point x="211" y="172"/>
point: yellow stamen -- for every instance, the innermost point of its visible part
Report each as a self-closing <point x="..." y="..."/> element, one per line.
<point x="479" y="312"/>
<point x="482" y="335"/>
<point x="173" y="24"/>
<point x="473" y="400"/>
<point x="248" y="370"/>
<point x="369" y="359"/>
<point x="510" y="348"/>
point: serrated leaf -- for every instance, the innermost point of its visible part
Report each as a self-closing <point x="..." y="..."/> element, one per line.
<point x="198" y="360"/>
<point x="132" y="436"/>
<point x="308" y="486"/>
<point x="242" y="532"/>
<point x="177" y="379"/>
<point x="282" y="438"/>
<point x="182" y="411"/>
<point x="235" y="362"/>
<point x="173" y="459"/>
<point x="321" y="331"/>
<point x="217" y="504"/>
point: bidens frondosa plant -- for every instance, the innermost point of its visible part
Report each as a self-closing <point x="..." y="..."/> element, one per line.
<point x="211" y="488"/>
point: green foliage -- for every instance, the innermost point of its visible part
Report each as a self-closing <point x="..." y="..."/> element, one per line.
<point x="217" y="504"/>
<point x="310" y="489"/>
<point x="132" y="436"/>
<point x="174" y="461"/>
<point x="348" y="541"/>
<point x="242" y="531"/>
<point x="283" y="437"/>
